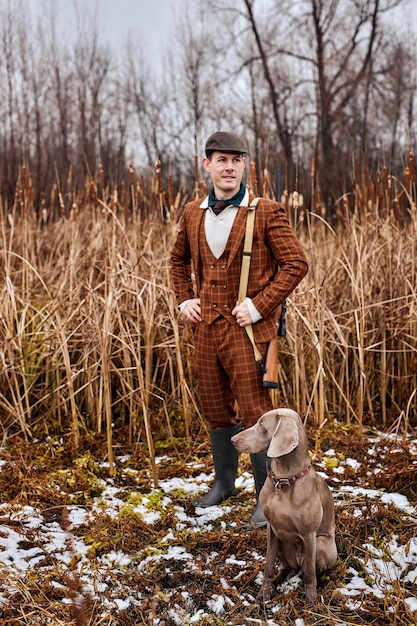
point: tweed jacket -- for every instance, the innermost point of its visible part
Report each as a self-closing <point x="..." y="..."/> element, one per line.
<point x="277" y="266"/>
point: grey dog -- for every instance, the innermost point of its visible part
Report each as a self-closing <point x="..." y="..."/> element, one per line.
<point x="295" y="500"/>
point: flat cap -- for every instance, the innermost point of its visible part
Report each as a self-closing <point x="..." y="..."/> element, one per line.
<point x="225" y="142"/>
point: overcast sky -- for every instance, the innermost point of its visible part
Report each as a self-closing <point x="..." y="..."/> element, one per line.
<point x="153" y="21"/>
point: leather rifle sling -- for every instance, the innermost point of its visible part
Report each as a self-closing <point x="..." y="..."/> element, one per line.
<point x="244" y="274"/>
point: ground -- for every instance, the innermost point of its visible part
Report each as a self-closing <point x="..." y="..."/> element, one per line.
<point x="77" y="546"/>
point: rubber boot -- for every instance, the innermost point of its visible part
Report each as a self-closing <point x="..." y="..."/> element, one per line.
<point x="225" y="459"/>
<point x="260" y="464"/>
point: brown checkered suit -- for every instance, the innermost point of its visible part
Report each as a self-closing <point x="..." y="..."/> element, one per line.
<point x="224" y="361"/>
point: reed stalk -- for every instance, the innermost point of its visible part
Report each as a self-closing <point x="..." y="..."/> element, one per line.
<point x="90" y="336"/>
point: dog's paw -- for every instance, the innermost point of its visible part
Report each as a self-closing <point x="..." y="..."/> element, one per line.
<point x="266" y="592"/>
<point x="311" y="597"/>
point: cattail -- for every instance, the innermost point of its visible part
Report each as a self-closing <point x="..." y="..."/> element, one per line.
<point x="284" y="198"/>
<point x="379" y="191"/>
<point x="170" y="191"/>
<point x="160" y="189"/>
<point x="177" y="201"/>
<point x="196" y="181"/>
<point x="346" y="207"/>
<point x="123" y="195"/>
<point x="93" y="190"/>
<point x="387" y="186"/>
<point x="101" y="176"/>
<point x="159" y="175"/>
<point x="253" y="178"/>
<point x="61" y="204"/>
<point x="411" y="167"/>
<point x="317" y="199"/>
<point x="295" y="200"/>
<point x="114" y="201"/>
<point x="313" y="168"/>
<point x="24" y="178"/>
<point x="407" y="179"/>
<point x="73" y="213"/>
<point x="131" y="174"/>
<point x="44" y="212"/>
<point x="69" y="177"/>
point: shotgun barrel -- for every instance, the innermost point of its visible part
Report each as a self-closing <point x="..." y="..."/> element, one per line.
<point x="270" y="377"/>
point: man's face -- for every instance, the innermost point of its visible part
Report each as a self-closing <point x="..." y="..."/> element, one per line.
<point x="226" y="172"/>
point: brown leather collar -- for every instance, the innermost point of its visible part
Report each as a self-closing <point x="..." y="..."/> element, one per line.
<point x="281" y="483"/>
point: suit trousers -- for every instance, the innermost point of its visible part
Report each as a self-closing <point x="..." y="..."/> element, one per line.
<point x="228" y="374"/>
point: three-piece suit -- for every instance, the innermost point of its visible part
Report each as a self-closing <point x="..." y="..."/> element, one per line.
<point x="224" y="360"/>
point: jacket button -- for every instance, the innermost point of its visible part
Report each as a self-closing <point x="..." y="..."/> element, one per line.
<point x="214" y="306"/>
<point x="224" y="286"/>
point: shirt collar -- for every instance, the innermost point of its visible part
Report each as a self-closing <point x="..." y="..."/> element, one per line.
<point x="241" y="198"/>
<point x="234" y="200"/>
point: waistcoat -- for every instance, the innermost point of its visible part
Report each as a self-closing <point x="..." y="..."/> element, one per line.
<point x="219" y="281"/>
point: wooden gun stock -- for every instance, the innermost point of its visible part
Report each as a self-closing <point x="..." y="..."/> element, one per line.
<point x="270" y="377"/>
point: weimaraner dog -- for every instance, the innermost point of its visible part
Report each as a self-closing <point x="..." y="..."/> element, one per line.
<point x="295" y="500"/>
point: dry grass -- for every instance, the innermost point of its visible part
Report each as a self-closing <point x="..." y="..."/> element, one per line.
<point x="87" y="324"/>
<point x="91" y="342"/>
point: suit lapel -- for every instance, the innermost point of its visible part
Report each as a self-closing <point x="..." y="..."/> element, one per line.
<point x="195" y="226"/>
<point x="237" y="233"/>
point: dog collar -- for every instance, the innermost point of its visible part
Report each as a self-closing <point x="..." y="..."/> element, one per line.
<point x="281" y="483"/>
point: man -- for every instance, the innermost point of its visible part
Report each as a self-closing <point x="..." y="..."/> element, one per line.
<point x="208" y="251"/>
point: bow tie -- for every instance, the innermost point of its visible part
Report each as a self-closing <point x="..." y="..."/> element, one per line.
<point x="219" y="206"/>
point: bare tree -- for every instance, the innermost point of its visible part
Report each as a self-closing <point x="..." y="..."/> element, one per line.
<point x="61" y="80"/>
<point x="8" y="77"/>
<point x="194" y="52"/>
<point x="319" y="60"/>
<point x="280" y="119"/>
<point x="91" y="64"/>
<point x="310" y="79"/>
<point x="147" y="101"/>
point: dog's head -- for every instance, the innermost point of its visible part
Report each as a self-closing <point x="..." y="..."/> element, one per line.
<point x="285" y="436"/>
<point x="275" y="432"/>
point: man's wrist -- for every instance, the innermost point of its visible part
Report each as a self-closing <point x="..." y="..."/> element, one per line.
<point x="182" y="306"/>
<point x="253" y="311"/>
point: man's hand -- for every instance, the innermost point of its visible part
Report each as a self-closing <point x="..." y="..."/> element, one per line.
<point x="192" y="311"/>
<point x="241" y="312"/>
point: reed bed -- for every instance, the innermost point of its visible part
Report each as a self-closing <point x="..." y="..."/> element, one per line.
<point x="91" y="342"/>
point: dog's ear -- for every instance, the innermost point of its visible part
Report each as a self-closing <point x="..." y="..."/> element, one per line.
<point x="284" y="439"/>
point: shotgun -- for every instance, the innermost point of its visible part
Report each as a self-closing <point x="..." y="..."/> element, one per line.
<point x="270" y="376"/>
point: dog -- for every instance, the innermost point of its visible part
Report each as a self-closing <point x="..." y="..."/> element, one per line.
<point x="295" y="500"/>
